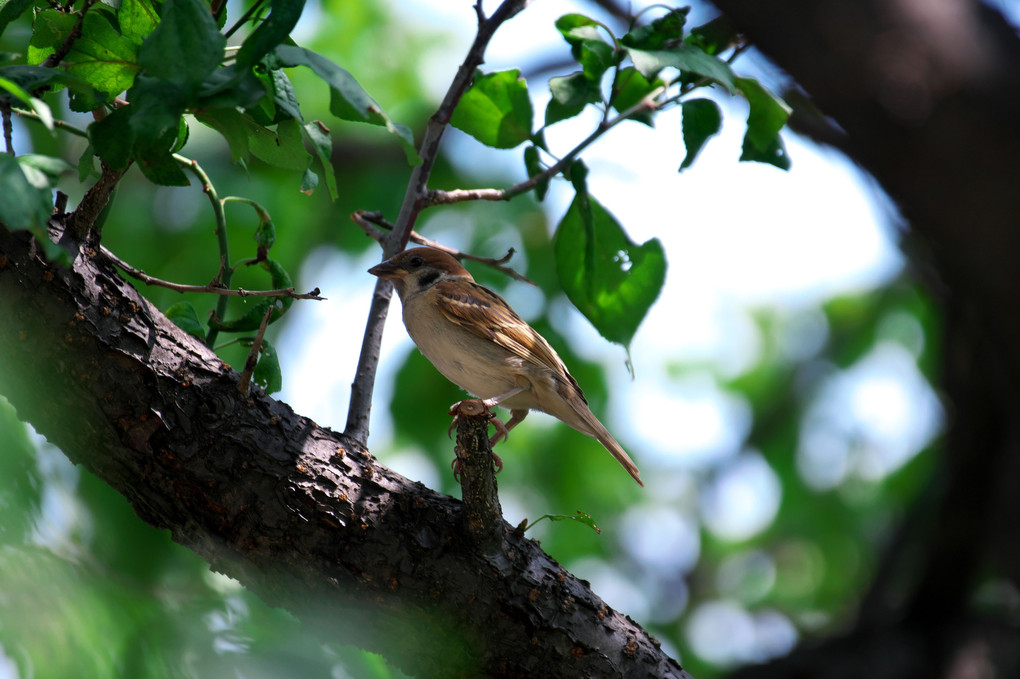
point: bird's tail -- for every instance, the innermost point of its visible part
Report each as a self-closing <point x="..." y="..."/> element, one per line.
<point x="597" y="431"/>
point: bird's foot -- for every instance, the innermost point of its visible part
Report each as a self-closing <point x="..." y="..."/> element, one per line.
<point x="475" y="408"/>
<point x="456" y="464"/>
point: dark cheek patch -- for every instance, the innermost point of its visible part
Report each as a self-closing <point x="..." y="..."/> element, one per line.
<point x="427" y="279"/>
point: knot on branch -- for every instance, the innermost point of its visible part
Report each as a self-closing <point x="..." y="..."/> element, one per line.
<point x="483" y="516"/>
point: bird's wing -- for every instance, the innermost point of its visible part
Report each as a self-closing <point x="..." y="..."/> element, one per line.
<point x="486" y="314"/>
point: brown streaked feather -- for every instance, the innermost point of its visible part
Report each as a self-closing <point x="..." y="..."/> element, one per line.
<point x="486" y="314"/>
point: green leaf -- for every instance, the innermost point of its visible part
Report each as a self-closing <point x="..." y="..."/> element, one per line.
<point x="156" y="108"/>
<point x="702" y="120"/>
<point x="577" y="28"/>
<point x="271" y="32"/>
<point x="580" y="517"/>
<point x="534" y="167"/>
<point x="594" y="54"/>
<point x="322" y="143"/>
<point x="283" y="93"/>
<point x="249" y="321"/>
<point x="661" y="33"/>
<point x="687" y="59"/>
<point x="160" y="167"/>
<point x="282" y="148"/>
<point x="25" y="200"/>
<point x="267" y="373"/>
<point x="86" y="164"/>
<point x="309" y="181"/>
<point x="252" y="319"/>
<point x="185" y="317"/>
<point x="348" y="100"/>
<point x="595" y="57"/>
<point x="280" y="280"/>
<point x="11" y="10"/>
<point x="265" y="232"/>
<point x="102" y="56"/>
<point x="137" y="19"/>
<point x="570" y="94"/>
<point x="610" y="279"/>
<point x="36" y="104"/>
<point x="716" y="36"/>
<point x="50" y="29"/>
<point x="50" y="166"/>
<point x="496" y="110"/>
<point x="774" y="154"/>
<point x="631" y="88"/>
<point x="767" y="116"/>
<point x="229" y="87"/>
<point x="232" y="125"/>
<point x="186" y="46"/>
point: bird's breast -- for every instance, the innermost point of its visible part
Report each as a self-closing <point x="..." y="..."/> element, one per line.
<point x="473" y="363"/>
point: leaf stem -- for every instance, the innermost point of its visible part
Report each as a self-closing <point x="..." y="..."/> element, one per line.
<point x="224" y="274"/>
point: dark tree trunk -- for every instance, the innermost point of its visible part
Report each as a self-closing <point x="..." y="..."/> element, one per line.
<point x="302" y="516"/>
<point x="927" y="96"/>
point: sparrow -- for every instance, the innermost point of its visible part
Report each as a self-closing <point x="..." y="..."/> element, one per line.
<point x="478" y="342"/>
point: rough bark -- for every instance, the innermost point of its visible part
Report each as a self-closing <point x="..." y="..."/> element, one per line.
<point x="303" y="516"/>
<point x="928" y="96"/>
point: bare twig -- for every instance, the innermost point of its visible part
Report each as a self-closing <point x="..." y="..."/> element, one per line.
<point x="5" y="111"/>
<point x="361" y="389"/>
<point x="61" y="124"/>
<point x="376" y="228"/>
<point x="211" y="288"/>
<point x="461" y="195"/>
<point x="92" y="204"/>
<point x="253" y="356"/>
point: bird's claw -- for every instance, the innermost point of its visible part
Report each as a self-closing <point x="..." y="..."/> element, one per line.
<point x="476" y="408"/>
<point x="456" y="464"/>
<point x="470" y="408"/>
<point x="501" y="431"/>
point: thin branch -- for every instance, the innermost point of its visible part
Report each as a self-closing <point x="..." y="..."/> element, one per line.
<point x="95" y="200"/>
<point x="58" y="55"/>
<point x="5" y="111"/>
<point x="252" y="360"/>
<point x="209" y="289"/>
<point x="245" y="18"/>
<point x="376" y="228"/>
<point x="63" y="125"/>
<point x="361" y="389"/>
<point x="436" y="197"/>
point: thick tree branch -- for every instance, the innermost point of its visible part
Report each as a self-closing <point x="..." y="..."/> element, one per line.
<point x="304" y="517"/>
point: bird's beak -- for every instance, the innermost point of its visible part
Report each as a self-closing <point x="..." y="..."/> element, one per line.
<point x="386" y="270"/>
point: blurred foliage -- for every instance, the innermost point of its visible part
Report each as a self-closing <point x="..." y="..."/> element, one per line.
<point x="87" y="589"/>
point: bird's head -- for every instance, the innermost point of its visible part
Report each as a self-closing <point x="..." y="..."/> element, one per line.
<point x="419" y="268"/>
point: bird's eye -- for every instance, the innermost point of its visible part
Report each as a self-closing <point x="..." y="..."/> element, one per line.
<point x="415" y="262"/>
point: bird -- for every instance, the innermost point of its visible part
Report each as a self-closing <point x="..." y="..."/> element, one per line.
<point x="478" y="342"/>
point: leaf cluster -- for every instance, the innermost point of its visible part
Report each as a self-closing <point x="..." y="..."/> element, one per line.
<point x="655" y="66"/>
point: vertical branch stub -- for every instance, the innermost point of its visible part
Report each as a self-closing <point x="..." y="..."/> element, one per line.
<point x="483" y="516"/>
